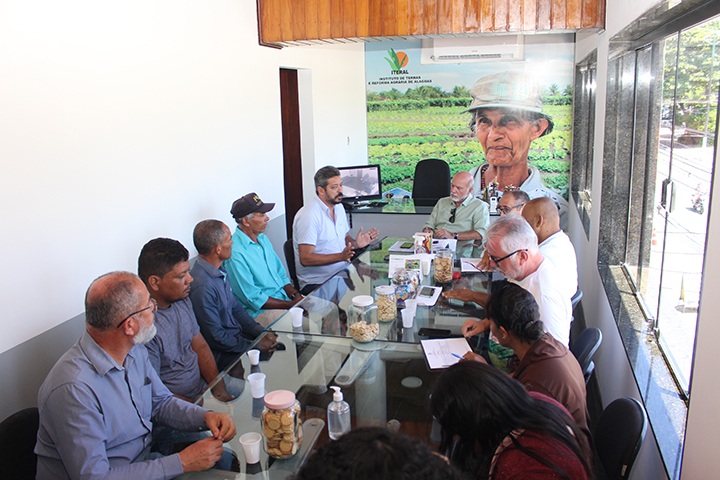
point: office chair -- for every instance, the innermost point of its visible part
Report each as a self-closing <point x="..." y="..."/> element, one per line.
<point x="431" y="181"/>
<point x="618" y="436"/>
<point x="18" y="434"/>
<point x="584" y="348"/>
<point x="290" y="260"/>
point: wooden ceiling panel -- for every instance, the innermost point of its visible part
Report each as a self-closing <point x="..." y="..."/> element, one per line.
<point x="290" y="22"/>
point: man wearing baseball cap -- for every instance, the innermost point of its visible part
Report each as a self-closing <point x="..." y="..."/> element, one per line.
<point x="257" y="276"/>
<point x="506" y="117"/>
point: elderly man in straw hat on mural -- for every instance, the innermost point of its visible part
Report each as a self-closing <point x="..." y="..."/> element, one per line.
<point x="506" y="117"/>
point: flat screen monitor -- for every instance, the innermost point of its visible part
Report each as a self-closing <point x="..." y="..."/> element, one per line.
<point x="361" y="183"/>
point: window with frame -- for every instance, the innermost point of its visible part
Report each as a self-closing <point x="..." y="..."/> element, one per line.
<point x="584" y="137"/>
<point x="660" y="131"/>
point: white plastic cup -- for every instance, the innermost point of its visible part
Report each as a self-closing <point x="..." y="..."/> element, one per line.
<point x="251" y="446"/>
<point x="425" y="266"/>
<point x="257" y="384"/>
<point x="412" y="306"/>
<point x="254" y="356"/>
<point x="407" y="318"/>
<point x="296" y="314"/>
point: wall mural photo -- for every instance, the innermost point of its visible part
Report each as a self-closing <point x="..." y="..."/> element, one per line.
<point x="418" y="108"/>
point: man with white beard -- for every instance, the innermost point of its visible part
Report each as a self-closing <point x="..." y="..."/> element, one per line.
<point x="98" y="403"/>
<point x="460" y="216"/>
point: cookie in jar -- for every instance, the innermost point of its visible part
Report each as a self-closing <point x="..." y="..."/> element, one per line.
<point x="282" y="424"/>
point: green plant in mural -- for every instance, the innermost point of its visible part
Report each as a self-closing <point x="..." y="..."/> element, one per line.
<point x="397" y="60"/>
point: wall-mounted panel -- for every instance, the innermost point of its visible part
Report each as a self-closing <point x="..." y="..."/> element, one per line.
<point x="286" y="22"/>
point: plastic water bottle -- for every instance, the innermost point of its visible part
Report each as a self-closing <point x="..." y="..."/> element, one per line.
<point x="338" y="414"/>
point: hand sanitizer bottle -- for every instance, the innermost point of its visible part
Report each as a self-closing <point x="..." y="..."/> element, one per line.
<point x="338" y="414"/>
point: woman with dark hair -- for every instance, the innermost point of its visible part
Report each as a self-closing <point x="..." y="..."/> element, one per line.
<point x="496" y="430"/>
<point x="376" y="453"/>
<point x="546" y="365"/>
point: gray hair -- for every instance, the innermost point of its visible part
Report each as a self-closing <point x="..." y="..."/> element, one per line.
<point x="110" y="298"/>
<point x="528" y="115"/>
<point x="518" y="195"/>
<point x="323" y="175"/>
<point x="208" y="234"/>
<point x="514" y="233"/>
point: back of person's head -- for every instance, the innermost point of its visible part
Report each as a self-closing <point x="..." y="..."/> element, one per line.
<point x="513" y="233"/>
<point x="159" y="256"/>
<point x="208" y="234"/>
<point x="324" y="174"/>
<point x="513" y="308"/>
<point x="546" y="208"/>
<point x="478" y="405"/>
<point x="111" y="297"/>
<point x="375" y="453"/>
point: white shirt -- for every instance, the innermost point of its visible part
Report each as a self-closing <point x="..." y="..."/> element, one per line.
<point x="313" y="226"/>
<point x="560" y="251"/>
<point x="555" y="308"/>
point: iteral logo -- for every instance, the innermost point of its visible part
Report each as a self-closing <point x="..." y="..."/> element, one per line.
<point x="397" y="61"/>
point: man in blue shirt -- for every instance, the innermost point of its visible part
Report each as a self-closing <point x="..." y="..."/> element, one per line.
<point x="321" y="240"/>
<point x="178" y="352"/>
<point x="227" y="327"/>
<point x="98" y="403"/>
<point x="256" y="274"/>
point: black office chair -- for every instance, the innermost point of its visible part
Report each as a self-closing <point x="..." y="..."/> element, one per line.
<point x="576" y="298"/>
<point x="290" y="260"/>
<point x="584" y="348"/>
<point x="618" y="436"/>
<point x="431" y="181"/>
<point x="18" y="434"/>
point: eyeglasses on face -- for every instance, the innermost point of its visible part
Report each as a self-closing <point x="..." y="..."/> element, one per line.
<point x="505" y="210"/>
<point x="498" y="260"/>
<point x="452" y="215"/>
<point x="153" y="305"/>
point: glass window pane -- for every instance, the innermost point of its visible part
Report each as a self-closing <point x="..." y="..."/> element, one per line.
<point x="690" y="171"/>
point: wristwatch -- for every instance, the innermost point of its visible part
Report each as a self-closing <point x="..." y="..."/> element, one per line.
<point x="456" y="236"/>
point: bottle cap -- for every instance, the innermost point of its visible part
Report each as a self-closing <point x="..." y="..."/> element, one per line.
<point x="337" y="396"/>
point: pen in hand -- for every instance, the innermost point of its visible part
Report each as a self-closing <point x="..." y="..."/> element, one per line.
<point x="458" y="356"/>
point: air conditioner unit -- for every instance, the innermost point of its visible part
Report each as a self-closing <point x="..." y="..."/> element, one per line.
<point x="473" y="49"/>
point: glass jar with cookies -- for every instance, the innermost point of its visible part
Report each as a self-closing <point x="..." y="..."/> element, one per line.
<point x="282" y="424"/>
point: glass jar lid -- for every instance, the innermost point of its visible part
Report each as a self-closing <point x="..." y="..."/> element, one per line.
<point x="363" y="301"/>
<point x="279" y="399"/>
<point x="385" y="290"/>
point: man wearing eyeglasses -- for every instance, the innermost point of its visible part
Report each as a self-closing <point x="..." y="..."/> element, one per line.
<point x="100" y="401"/>
<point x="512" y="246"/>
<point x="512" y="202"/>
<point x="460" y="216"/>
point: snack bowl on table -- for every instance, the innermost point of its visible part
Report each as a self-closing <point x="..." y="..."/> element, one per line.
<point x="364" y="333"/>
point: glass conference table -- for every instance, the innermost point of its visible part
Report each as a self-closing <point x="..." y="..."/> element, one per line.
<point x="384" y="381"/>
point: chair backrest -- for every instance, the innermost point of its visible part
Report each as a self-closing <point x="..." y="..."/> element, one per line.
<point x="290" y="260"/>
<point x="585" y="347"/>
<point x="431" y="181"/>
<point x="576" y="298"/>
<point x="18" y="434"/>
<point x="618" y="436"/>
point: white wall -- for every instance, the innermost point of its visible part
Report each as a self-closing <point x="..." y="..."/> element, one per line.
<point x="702" y="440"/>
<point x="124" y="121"/>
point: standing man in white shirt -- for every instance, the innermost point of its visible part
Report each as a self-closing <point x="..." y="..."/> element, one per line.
<point x="321" y="237"/>
<point x="542" y="215"/>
